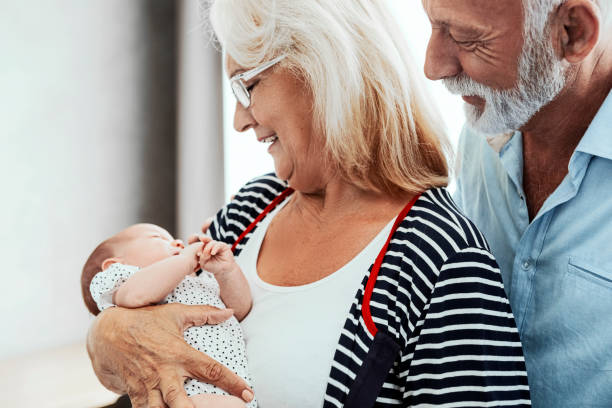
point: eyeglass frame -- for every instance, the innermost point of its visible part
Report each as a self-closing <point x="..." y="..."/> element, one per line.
<point x="240" y="79"/>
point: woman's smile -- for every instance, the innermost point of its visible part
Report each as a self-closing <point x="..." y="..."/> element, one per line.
<point x="269" y="140"/>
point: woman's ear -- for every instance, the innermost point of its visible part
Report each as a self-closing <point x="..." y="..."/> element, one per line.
<point x="108" y="262"/>
<point x="579" y="21"/>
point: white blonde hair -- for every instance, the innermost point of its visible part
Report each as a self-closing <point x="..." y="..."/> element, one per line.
<point x="379" y="129"/>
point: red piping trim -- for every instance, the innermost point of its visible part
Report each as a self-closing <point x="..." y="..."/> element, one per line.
<point x="265" y="212"/>
<point x="367" y="296"/>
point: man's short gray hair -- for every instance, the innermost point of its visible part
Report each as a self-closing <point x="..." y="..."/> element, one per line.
<point x="537" y="12"/>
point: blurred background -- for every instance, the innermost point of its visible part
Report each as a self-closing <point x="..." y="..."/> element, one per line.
<point x="111" y="113"/>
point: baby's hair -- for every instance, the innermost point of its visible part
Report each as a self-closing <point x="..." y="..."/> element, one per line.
<point x="92" y="266"/>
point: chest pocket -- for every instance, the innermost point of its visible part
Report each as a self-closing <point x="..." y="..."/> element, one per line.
<point x="373" y="372"/>
<point x="597" y="275"/>
<point x="587" y="315"/>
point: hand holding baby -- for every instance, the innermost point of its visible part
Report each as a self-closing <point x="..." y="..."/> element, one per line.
<point x="144" y="265"/>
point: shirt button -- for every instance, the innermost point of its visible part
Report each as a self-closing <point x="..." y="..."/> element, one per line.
<point x="526" y="264"/>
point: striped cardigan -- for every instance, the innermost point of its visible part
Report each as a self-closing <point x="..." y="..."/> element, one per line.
<point x="430" y="324"/>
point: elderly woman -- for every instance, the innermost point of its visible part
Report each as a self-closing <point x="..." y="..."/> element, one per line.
<point x="369" y="286"/>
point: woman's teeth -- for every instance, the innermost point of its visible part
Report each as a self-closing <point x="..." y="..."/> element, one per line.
<point x="269" y="139"/>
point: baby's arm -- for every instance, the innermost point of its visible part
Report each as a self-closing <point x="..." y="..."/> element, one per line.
<point x="152" y="283"/>
<point x="217" y="258"/>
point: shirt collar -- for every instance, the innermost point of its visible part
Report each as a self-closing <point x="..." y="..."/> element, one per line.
<point x="597" y="141"/>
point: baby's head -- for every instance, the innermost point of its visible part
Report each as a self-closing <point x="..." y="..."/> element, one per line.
<point x="139" y="245"/>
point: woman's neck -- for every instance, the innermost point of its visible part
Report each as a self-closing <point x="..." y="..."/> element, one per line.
<point x="338" y="198"/>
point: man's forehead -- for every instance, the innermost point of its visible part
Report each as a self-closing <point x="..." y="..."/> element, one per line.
<point x="473" y="14"/>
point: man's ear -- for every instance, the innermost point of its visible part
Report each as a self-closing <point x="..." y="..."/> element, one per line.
<point x="579" y="21"/>
<point x="108" y="262"/>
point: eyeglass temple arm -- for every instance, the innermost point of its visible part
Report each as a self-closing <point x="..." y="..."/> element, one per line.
<point x="245" y="76"/>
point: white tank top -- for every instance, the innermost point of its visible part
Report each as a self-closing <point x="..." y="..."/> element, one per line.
<point x="292" y="333"/>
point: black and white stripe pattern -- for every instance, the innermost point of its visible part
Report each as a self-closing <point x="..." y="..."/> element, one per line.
<point x="438" y="295"/>
<point x="250" y="201"/>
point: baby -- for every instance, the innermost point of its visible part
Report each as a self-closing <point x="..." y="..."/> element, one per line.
<point x="144" y="265"/>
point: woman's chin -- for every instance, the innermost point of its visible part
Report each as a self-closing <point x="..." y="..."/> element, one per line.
<point x="282" y="168"/>
<point x="282" y="172"/>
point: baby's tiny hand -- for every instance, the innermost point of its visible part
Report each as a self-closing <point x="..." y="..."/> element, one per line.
<point x="217" y="258"/>
<point x="193" y="252"/>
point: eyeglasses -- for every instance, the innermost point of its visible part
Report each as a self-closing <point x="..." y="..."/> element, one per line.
<point x="239" y="87"/>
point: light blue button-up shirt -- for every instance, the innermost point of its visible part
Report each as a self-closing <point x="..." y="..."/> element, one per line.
<point x="557" y="270"/>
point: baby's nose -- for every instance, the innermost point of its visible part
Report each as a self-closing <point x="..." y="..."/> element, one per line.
<point x="177" y="243"/>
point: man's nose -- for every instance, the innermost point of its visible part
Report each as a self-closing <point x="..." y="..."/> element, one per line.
<point x="441" y="60"/>
<point x="177" y="243"/>
<point x="243" y="120"/>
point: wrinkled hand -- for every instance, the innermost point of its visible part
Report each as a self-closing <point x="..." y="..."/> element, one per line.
<point x="141" y="352"/>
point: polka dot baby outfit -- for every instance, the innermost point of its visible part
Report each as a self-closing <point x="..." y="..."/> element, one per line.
<point x="223" y="342"/>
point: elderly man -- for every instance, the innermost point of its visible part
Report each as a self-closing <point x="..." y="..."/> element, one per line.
<point x="536" y="173"/>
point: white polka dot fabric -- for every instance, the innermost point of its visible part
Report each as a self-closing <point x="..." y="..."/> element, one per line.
<point x="223" y="342"/>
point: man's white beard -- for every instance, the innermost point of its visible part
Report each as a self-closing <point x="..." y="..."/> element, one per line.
<point x="541" y="76"/>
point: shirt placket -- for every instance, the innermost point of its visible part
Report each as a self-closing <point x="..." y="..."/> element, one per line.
<point x="531" y="244"/>
<point x="525" y="267"/>
<point x="511" y="156"/>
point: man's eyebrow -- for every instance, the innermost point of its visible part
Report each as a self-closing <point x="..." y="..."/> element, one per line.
<point x="456" y="25"/>
<point x="467" y="30"/>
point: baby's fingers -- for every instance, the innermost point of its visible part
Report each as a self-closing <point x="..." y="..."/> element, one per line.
<point x="209" y="247"/>
<point x="205" y="239"/>
<point x="218" y="247"/>
<point x="203" y="258"/>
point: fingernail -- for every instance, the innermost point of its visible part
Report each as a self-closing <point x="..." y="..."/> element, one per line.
<point x="247" y="395"/>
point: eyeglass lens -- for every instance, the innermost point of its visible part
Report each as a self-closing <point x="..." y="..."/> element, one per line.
<point x="241" y="94"/>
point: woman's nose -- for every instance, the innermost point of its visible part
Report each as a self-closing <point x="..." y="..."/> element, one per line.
<point x="177" y="243"/>
<point x="243" y="120"/>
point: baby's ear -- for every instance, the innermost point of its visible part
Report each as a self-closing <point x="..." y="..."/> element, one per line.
<point x="108" y="262"/>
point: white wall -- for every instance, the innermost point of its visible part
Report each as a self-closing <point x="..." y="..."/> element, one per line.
<point x="80" y="126"/>
<point x="200" y="126"/>
<point x="245" y="158"/>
